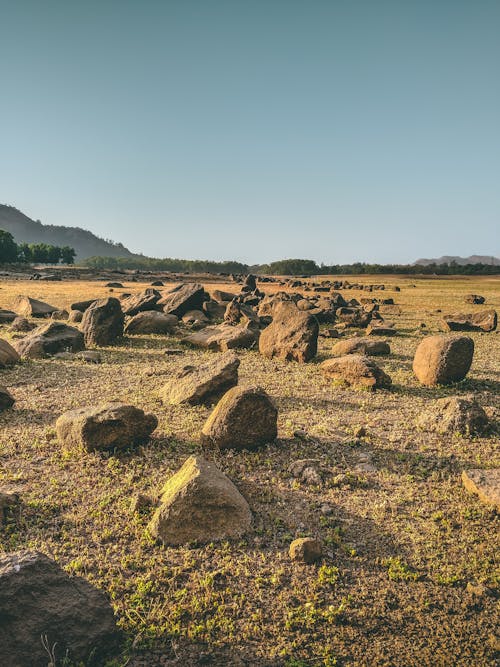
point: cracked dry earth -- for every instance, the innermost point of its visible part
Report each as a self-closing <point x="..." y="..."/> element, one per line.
<point x="409" y="574"/>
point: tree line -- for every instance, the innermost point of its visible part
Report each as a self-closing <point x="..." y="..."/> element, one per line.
<point x="39" y="253"/>
<point x="285" y="267"/>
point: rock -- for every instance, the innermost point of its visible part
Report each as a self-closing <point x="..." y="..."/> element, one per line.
<point x="204" y="383"/>
<point x="223" y="337"/>
<point x="374" y="330"/>
<point x="356" y="371"/>
<point x="141" y="502"/>
<point x="185" y="297"/>
<point x="75" y="316"/>
<point x="353" y="317"/>
<point x="172" y="351"/>
<point x="486" y="320"/>
<point x="28" y="307"/>
<point x="49" y="339"/>
<point x="21" y="324"/>
<point x="102" y="322"/>
<point x="89" y="356"/>
<point x="250" y="283"/>
<point x="196" y="318"/>
<point x="199" y="504"/>
<point x="244" y="418"/>
<point x="306" y="550"/>
<point x="329" y="333"/>
<point x="114" y="285"/>
<point x="443" y="359"/>
<point x="110" y="426"/>
<point x="474" y="298"/>
<point x="8" y="354"/>
<point x="219" y="295"/>
<point x="307" y="470"/>
<point x="454" y="415"/>
<point x="139" y="303"/>
<point x="484" y="483"/>
<point x="361" y="346"/>
<point x="151" y="322"/>
<point x="9" y="506"/>
<point x="6" y="399"/>
<point x="292" y="335"/>
<point x="40" y="602"/>
<point x="7" y="316"/>
<point x="82" y="305"/>
<point x="214" y="310"/>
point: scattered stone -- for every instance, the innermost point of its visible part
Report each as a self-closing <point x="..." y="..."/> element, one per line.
<point x="49" y="339"/>
<point x="110" y="426"/>
<point x="40" y="602"/>
<point x="291" y="336"/>
<point x="307" y="470"/>
<point x="6" y="399"/>
<point x="244" y="418"/>
<point x="7" y="316"/>
<point x="82" y="305"/>
<point x="28" y="307"/>
<point x="146" y="301"/>
<point x="196" y="319"/>
<point x="185" y="297"/>
<point x="330" y="333"/>
<point x="223" y="337"/>
<point x="443" y="359"/>
<point x="199" y="504"/>
<point x="454" y="415"/>
<point x="361" y="346"/>
<point x="172" y="351"/>
<point x="151" y="322"/>
<point x="9" y="506"/>
<point x="379" y="330"/>
<point x="204" y="383"/>
<point x="353" y="317"/>
<point x="474" y="298"/>
<point x="306" y="550"/>
<point x="89" y="356"/>
<point x="114" y="285"/>
<point x="484" y="483"/>
<point x="356" y="371"/>
<point x="102" y="322"/>
<point x="486" y="320"/>
<point x="21" y="324"/>
<point x="59" y="315"/>
<point x="8" y="354"/>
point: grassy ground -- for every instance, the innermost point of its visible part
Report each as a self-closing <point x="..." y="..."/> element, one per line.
<point x="403" y="538"/>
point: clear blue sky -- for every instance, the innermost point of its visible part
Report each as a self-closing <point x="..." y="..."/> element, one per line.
<point x="337" y="130"/>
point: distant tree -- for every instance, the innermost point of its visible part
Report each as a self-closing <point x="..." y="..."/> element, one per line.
<point x="24" y="252"/>
<point x="68" y="255"/>
<point x="9" y="250"/>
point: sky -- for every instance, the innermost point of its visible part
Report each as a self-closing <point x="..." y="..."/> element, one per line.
<point x="255" y="130"/>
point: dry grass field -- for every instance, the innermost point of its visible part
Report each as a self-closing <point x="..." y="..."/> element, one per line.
<point x="405" y="545"/>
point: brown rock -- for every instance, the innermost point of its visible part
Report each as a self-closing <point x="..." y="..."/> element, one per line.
<point x="454" y="415"/>
<point x="443" y="359"/>
<point x="102" y="322"/>
<point x="484" y="483"/>
<point x="8" y="354"/>
<point x="306" y="550"/>
<point x="356" y="371"/>
<point x="6" y="399"/>
<point x="199" y="504"/>
<point x="28" y="307"/>
<point x="474" y="298"/>
<point x="204" y="383"/>
<point x="361" y="346"/>
<point x="185" y="297"/>
<point x="110" y="426"/>
<point x="486" y="320"/>
<point x="21" y="324"/>
<point x="75" y="316"/>
<point x="244" y="418"/>
<point x="7" y="316"/>
<point x="50" y="339"/>
<point x="292" y="335"/>
<point x="40" y="602"/>
<point x="222" y="338"/>
<point x="139" y="303"/>
<point x="151" y="322"/>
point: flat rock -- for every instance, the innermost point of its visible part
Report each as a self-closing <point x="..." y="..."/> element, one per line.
<point x="185" y="297"/>
<point x="38" y="599"/>
<point x="486" y="320"/>
<point x="203" y="383"/>
<point x="7" y="316"/>
<point x="28" y="307"/>
<point x="49" y="339"/>
<point x="361" y="346"/>
<point x="454" y="414"/>
<point x="110" y="426"/>
<point x="223" y="337"/>
<point x="443" y="359"/>
<point x="151" y="322"/>
<point x="199" y="504"/>
<point x="244" y="418"/>
<point x="139" y="303"/>
<point x="484" y="483"/>
<point x="356" y="371"/>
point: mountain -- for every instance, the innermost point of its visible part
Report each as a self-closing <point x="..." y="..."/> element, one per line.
<point x="85" y="243"/>
<point x="461" y="261"/>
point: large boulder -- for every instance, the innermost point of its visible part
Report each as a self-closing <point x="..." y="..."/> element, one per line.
<point x="223" y="337"/>
<point x="6" y="399"/>
<point x="486" y="320"/>
<point x="356" y="371"/>
<point x="292" y="335"/>
<point x="244" y="418"/>
<point x="353" y="317"/>
<point x="361" y="346"/>
<point x="49" y="339"/>
<point x="204" y="383"/>
<point x="8" y="355"/>
<point x="199" y="504"/>
<point x="28" y="307"/>
<point x="143" y="302"/>
<point x="7" y="316"/>
<point x="110" y="426"/>
<point x="151" y="322"/>
<point x="454" y="414"/>
<point x="484" y="483"/>
<point x="42" y="606"/>
<point x="102" y="322"/>
<point x="185" y="297"/>
<point x="443" y="359"/>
